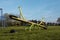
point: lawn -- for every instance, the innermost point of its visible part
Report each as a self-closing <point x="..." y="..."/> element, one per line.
<point x="52" y="33"/>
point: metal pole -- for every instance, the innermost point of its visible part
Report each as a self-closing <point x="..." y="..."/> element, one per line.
<point x="1" y="16"/>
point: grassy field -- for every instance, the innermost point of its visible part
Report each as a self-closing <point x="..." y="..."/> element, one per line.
<point x="52" y="33"/>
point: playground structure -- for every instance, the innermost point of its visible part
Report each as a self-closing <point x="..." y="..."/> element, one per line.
<point x="21" y="18"/>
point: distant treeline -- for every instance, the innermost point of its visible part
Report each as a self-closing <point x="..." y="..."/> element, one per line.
<point x="47" y="23"/>
<point x="10" y="22"/>
<point x="19" y="23"/>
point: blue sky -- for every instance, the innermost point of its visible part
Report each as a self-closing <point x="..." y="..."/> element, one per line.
<point x="33" y="9"/>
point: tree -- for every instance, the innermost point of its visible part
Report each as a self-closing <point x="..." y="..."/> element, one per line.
<point x="58" y="20"/>
<point x="8" y="21"/>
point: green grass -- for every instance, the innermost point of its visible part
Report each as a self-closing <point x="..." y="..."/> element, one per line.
<point x="52" y="33"/>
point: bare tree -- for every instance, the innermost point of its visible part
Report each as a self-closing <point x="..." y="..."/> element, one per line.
<point x="58" y="20"/>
